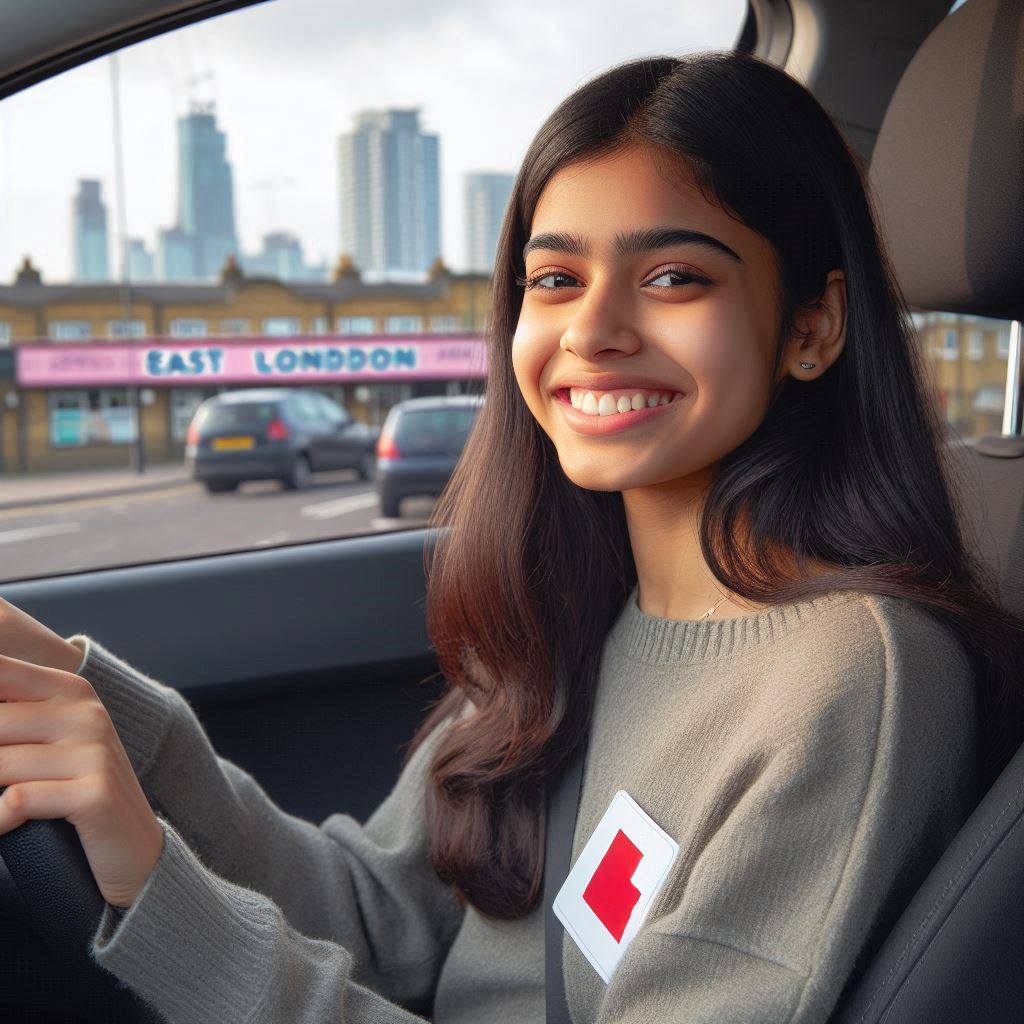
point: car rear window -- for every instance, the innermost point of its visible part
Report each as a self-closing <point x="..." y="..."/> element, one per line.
<point x="421" y="431"/>
<point x="240" y="416"/>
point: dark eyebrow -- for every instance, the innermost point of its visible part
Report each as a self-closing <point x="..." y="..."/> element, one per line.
<point x="629" y="243"/>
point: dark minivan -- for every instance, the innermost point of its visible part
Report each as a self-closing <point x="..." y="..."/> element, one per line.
<point x="283" y="434"/>
<point x="420" y="442"/>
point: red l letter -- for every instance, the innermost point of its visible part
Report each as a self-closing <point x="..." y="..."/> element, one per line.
<point x="610" y="894"/>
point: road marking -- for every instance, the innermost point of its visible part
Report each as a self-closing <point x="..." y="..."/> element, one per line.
<point x="44" y="507"/>
<point x="32" y="532"/>
<point x="275" y="538"/>
<point x="340" y="507"/>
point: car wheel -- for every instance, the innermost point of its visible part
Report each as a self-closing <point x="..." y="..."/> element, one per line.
<point x="300" y="476"/>
<point x="220" y="486"/>
<point x="389" y="507"/>
<point x="367" y="466"/>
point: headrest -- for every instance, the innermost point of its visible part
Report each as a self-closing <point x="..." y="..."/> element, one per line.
<point x="948" y="165"/>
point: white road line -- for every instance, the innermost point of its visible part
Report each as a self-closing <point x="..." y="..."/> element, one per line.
<point x="275" y="538"/>
<point x="340" y="507"/>
<point x="32" y="532"/>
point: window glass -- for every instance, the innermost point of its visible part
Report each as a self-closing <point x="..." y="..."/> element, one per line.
<point x="403" y="324"/>
<point x="433" y="431"/>
<point x="70" y="330"/>
<point x="356" y="325"/>
<point x="280" y="326"/>
<point x="126" y="329"/>
<point x="188" y="327"/>
<point x="968" y="358"/>
<point x="258" y="251"/>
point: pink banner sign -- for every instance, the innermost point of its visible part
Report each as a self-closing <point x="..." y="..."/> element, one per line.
<point x="157" y="363"/>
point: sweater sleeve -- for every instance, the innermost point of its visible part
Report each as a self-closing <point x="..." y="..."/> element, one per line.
<point x="828" y="830"/>
<point x="358" y="904"/>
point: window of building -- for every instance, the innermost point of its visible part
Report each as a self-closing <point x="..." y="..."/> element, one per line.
<point x="126" y="328"/>
<point x="320" y="325"/>
<point x="1003" y="342"/>
<point x="188" y="327"/>
<point x="235" y="326"/>
<point x="95" y="416"/>
<point x="5" y="333"/>
<point x="356" y="325"/>
<point x="949" y="350"/>
<point x="70" y="330"/>
<point x="183" y="404"/>
<point x="445" y="324"/>
<point x="403" y="324"/>
<point x="280" y="326"/>
<point x="975" y="345"/>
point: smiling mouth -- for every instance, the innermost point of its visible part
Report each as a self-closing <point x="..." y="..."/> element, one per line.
<point x="620" y="400"/>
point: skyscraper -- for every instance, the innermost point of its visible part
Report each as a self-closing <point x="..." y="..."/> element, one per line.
<point x="389" y="192"/>
<point x="205" y="235"/>
<point x="486" y="197"/>
<point x="138" y="260"/>
<point x="89" y="219"/>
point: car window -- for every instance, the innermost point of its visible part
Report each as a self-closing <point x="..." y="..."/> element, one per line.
<point x="238" y="416"/>
<point x="239" y="246"/>
<point x="968" y="358"/>
<point x="422" y="431"/>
<point x="333" y="413"/>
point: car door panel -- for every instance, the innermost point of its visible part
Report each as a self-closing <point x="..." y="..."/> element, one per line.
<point x="303" y="673"/>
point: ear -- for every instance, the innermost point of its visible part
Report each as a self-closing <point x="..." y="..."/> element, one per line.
<point x="819" y="331"/>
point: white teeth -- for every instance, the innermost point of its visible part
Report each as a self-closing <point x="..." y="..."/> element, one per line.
<point x="605" y="404"/>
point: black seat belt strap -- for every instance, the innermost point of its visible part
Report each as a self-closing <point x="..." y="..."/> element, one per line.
<point x="563" y="800"/>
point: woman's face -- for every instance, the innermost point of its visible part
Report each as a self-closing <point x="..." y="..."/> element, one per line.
<point x="611" y="325"/>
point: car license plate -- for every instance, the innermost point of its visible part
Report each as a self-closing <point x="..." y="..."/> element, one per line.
<point x="224" y="443"/>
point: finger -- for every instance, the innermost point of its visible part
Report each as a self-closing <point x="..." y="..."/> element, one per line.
<point x="50" y="721"/>
<point x="22" y="680"/>
<point x="29" y="762"/>
<point x="40" y="801"/>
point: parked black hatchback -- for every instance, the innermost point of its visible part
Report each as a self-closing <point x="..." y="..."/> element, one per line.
<point x="282" y="434"/>
<point x="420" y="442"/>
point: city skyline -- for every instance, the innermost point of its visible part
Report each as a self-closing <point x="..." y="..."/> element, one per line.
<point x="288" y="80"/>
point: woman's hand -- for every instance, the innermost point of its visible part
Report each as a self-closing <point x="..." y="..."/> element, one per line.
<point x="23" y="637"/>
<point x="60" y="757"/>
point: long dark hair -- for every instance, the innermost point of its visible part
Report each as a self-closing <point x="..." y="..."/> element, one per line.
<point x="849" y="469"/>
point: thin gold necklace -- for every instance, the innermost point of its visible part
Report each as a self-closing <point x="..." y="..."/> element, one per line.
<point x="711" y="611"/>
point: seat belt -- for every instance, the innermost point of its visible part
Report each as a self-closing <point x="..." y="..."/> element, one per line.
<point x="562" y="804"/>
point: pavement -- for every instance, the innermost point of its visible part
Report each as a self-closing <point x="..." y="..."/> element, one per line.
<point x="23" y="490"/>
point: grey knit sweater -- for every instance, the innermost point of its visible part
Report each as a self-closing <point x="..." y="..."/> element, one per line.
<point x="811" y="761"/>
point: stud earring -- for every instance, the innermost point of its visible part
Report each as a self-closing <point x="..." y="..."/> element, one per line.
<point x="807" y="366"/>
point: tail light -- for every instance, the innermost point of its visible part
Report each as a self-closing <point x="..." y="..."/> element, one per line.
<point x="192" y="435"/>
<point x="276" y="430"/>
<point x="386" y="447"/>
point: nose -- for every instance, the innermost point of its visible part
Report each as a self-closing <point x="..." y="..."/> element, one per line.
<point x="599" y="327"/>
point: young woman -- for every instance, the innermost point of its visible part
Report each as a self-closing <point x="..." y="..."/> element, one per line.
<point x="703" y="526"/>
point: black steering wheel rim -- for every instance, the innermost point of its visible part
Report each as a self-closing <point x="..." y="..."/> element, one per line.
<point x="48" y="866"/>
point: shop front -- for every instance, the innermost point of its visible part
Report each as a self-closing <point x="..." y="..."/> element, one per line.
<point x="81" y="406"/>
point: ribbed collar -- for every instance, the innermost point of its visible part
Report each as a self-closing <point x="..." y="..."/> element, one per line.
<point x="649" y="638"/>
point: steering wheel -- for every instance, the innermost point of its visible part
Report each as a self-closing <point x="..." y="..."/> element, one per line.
<point x="51" y="873"/>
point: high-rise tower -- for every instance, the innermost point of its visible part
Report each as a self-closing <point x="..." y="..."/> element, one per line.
<point x="486" y="197"/>
<point x="389" y="193"/>
<point x="89" y="219"/>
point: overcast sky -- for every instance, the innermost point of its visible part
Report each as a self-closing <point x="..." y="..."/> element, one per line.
<point x="287" y="77"/>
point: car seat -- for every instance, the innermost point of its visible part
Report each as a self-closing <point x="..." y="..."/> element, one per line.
<point x="948" y="174"/>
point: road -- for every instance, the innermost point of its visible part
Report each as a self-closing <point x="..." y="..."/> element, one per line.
<point x="184" y="521"/>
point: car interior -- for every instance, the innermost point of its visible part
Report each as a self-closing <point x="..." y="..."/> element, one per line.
<point x="309" y="665"/>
